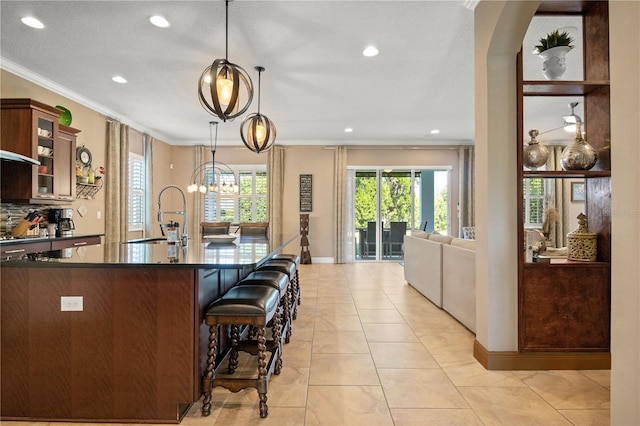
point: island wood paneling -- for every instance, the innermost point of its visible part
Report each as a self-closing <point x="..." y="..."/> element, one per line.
<point x="130" y="355"/>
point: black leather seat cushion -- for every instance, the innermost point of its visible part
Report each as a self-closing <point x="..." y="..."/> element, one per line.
<point x="283" y="256"/>
<point x="276" y="279"/>
<point x="247" y="300"/>
<point x="285" y="266"/>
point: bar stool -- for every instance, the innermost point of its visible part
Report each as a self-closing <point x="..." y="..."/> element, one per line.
<point x="279" y="281"/>
<point x="292" y="258"/>
<point x="288" y="267"/>
<point x="252" y="306"/>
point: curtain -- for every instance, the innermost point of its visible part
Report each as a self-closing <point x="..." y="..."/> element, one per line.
<point x="467" y="186"/>
<point x="340" y="194"/>
<point x="197" y="198"/>
<point x="275" y="187"/>
<point x="117" y="181"/>
<point x="349" y="219"/>
<point x="147" y="146"/>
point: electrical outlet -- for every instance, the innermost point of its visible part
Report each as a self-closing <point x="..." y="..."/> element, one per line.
<point x="71" y="303"/>
<point x="98" y="214"/>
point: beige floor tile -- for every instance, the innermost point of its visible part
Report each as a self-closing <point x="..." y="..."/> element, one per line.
<point x="380" y="316"/>
<point x="419" y="388"/>
<point x="368" y="294"/>
<point x="347" y="405"/>
<point x="288" y="389"/>
<point x="440" y="323"/>
<point x="330" y="322"/>
<point x="389" y="333"/>
<point x="374" y="304"/>
<point x="339" y="342"/>
<point x="250" y="415"/>
<point x="401" y="355"/>
<point x="566" y="389"/>
<point x="450" y="343"/>
<point x="434" y="416"/>
<point x="587" y="417"/>
<point x="602" y="377"/>
<point x="297" y="354"/>
<point x="343" y="369"/>
<point x="302" y="332"/>
<point x="336" y="308"/>
<point x="474" y="374"/>
<point x="514" y="405"/>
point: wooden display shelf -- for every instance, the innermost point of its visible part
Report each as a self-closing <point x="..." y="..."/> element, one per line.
<point x="561" y="88"/>
<point x="573" y="174"/>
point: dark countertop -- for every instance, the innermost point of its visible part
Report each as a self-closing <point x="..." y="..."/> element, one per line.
<point x="244" y="252"/>
<point x="37" y="239"/>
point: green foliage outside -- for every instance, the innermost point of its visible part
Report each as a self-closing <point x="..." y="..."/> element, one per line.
<point x="396" y="201"/>
<point x="440" y="213"/>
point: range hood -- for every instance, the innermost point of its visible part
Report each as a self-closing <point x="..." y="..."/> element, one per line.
<point x="12" y="156"/>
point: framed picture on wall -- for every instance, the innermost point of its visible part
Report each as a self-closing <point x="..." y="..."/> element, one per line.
<point x="577" y="191"/>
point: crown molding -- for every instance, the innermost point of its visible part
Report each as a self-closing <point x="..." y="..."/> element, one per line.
<point x="54" y="87"/>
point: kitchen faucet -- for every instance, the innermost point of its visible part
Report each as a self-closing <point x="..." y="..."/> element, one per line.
<point x="184" y="237"/>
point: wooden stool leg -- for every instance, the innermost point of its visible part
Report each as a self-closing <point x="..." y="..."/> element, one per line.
<point x="298" y="287"/>
<point x="286" y="321"/>
<point x="277" y="340"/>
<point x="235" y="338"/>
<point x="207" y="382"/>
<point x="262" y="372"/>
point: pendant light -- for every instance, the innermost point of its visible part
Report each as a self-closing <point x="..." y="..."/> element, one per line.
<point x="257" y="131"/>
<point x="204" y="182"/>
<point x="225" y="89"/>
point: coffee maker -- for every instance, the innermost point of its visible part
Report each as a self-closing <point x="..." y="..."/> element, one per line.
<point x="66" y="225"/>
<point x="63" y="221"/>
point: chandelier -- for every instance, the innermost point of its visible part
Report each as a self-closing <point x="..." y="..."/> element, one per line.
<point x="225" y="89"/>
<point x="212" y="176"/>
<point x="257" y="131"/>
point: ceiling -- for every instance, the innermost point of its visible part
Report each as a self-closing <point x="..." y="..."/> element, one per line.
<point x="316" y="83"/>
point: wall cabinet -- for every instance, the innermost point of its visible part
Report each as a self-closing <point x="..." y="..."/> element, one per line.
<point x="31" y="128"/>
<point x="565" y="306"/>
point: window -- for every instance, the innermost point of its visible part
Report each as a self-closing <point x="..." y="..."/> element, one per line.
<point x="248" y="205"/>
<point x="533" y="191"/>
<point x="135" y="208"/>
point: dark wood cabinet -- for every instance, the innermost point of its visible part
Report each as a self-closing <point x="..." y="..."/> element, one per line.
<point x="565" y="306"/>
<point x="31" y="128"/>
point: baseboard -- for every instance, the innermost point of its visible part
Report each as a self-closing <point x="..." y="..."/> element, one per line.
<point x="322" y="260"/>
<point x="508" y="360"/>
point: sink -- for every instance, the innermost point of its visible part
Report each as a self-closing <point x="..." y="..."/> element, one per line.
<point x="146" y="241"/>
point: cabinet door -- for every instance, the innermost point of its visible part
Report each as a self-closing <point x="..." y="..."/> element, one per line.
<point x="44" y="129"/>
<point x="65" y="165"/>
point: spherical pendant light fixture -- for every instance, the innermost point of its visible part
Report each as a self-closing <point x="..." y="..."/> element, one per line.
<point x="225" y="89"/>
<point x="257" y="131"/>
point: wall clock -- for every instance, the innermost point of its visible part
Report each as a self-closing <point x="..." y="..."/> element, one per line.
<point x="83" y="155"/>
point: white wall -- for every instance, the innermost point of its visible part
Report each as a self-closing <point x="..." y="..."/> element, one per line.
<point x="625" y="222"/>
<point x="499" y="29"/>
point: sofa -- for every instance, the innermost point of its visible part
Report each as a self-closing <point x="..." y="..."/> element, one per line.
<point x="442" y="268"/>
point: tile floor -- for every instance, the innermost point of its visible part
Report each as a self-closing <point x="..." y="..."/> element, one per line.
<point x="367" y="349"/>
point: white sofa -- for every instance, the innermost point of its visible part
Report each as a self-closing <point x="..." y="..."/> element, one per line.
<point x="442" y="268"/>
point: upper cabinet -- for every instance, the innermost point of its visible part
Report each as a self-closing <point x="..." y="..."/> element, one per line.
<point x="31" y="128"/>
<point x="564" y="305"/>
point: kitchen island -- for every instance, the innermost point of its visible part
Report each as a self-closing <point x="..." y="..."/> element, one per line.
<point x="113" y="333"/>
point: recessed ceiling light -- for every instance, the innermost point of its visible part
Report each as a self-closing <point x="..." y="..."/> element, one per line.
<point x="370" y="51"/>
<point x="435" y="131"/>
<point x="119" y="79"/>
<point x="32" y="22"/>
<point x="348" y="130"/>
<point x="159" y="21"/>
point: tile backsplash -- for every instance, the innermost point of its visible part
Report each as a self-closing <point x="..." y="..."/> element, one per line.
<point x="12" y="214"/>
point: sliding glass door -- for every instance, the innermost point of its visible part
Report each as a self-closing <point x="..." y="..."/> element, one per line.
<point x="389" y="202"/>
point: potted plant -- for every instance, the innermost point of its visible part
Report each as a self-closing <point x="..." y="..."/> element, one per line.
<point x="553" y="48"/>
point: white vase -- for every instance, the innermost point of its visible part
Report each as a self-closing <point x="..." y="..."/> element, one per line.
<point x="554" y="64"/>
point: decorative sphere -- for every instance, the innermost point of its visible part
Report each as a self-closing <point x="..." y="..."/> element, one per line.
<point x="224" y="82"/>
<point x="64" y="118"/>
